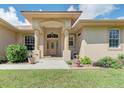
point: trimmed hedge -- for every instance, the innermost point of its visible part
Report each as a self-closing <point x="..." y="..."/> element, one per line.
<point x="16" y="53"/>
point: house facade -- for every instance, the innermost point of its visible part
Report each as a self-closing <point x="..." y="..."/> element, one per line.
<point x="63" y="34"/>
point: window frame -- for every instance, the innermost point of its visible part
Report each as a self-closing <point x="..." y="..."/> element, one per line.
<point x="73" y="36"/>
<point x="30" y="42"/>
<point x="119" y="46"/>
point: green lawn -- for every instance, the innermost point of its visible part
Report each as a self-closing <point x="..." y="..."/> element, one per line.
<point x="62" y="78"/>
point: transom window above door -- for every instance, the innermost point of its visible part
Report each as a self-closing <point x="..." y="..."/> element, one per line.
<point x="52" y="35"/>
<point x="114" y="38"/>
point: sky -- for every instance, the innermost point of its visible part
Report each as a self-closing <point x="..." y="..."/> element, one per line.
<point x="11" y="12"/>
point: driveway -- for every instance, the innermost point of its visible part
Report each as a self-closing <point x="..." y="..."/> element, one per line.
<point x="46" y="63"/>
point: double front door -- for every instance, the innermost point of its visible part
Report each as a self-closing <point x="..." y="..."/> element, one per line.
<point x="52" y="47"/>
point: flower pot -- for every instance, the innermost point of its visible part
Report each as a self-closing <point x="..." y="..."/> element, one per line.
<point x="76" y="63"/>
<point x="31" y="60"/>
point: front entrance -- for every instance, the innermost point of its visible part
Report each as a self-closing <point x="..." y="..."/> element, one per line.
<point x="52" y="39"/>
<point x="52" y="47"/>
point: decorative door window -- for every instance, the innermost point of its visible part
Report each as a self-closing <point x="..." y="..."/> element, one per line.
<point x="52" y="35"/>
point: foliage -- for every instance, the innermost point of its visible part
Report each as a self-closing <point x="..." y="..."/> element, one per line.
<point x="121" y="58"/>
<point x="69" y="62"/>
<point x="2" y="60"/>
<point x="116" y="64"/>
<point x="105" y="61"/>
<point x="85" y="60"/>
<point x="109" y="62"/>
<point x="16" y="53"/>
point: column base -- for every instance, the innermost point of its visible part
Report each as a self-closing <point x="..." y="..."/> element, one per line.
<point x="36" y="55"/>
<point x="67" y="55"/>
<point x="41" y="53"/>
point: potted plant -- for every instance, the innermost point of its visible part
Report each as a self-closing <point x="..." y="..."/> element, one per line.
<point x="30" y="58"/>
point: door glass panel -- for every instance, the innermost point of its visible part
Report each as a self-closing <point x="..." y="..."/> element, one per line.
<point x="47" y="45"/>
<point x="52" y="45"/>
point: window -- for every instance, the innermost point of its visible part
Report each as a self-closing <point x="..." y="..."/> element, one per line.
<point x="79" y="34"/>
<point x="114" y="38"/>
<point x="29" y="42"/>
<point x="52" y="35"/>
<point x="71" y="40"/>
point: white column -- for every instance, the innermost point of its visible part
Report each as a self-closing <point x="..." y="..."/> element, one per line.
<point x="66" y="40"/>
<point x="66" y="51"/>
<point x="36" y="35"/>
<point x="42" y="44"/>
<point x="36" y="52"/>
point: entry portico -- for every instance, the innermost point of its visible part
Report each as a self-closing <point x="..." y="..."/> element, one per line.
<point x="51" y="32"/>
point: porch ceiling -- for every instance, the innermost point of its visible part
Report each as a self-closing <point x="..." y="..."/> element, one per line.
<point x="73" y="15"/>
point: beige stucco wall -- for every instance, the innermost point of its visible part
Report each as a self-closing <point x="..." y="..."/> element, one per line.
<point x="7" y="37"/>
<point x="94" y="43"/>
<point x="21" y="37"/>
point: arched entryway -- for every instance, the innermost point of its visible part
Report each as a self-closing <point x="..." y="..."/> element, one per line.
<point x="53" y="38"/>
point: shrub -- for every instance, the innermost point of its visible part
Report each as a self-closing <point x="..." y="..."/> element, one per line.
<point x="3" y="60"/>
<point x="116" y="64"/>
<point x="97" y="64"/>
<point x="105" y="62"/>
<point x="16" y="53"/>
<point x="85" y="60"/>
<point x="121" y="58"/>
<point x="69" y="62"/>
<point x="109" y="62"/>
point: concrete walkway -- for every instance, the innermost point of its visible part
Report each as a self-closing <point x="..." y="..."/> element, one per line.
<point x="46" y="63"/>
